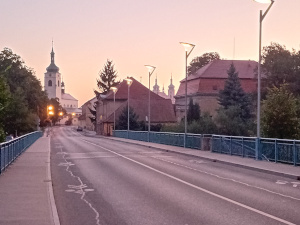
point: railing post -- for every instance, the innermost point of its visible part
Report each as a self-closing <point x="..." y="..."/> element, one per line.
<point x="258" y="149"/>
<point x="230" y="149"/>
<point x="243" y="150"/>
<point x="276" y="151"/>
<point x="294" y="153"/>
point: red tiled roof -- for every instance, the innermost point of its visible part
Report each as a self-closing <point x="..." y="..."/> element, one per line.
<point x="218" y="69"/>
<point x="161" y="110"/>
<point x="137" y="91"/>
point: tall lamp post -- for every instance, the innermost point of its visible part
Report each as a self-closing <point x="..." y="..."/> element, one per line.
<point x="129" y="82"/>
<point x="151" y="70"/>
<point x="114" y="89"/>
<point x="188" y="49"/>
<point x="261" y="18"/>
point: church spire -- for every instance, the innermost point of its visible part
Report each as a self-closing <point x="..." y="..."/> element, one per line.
<point x="52" y="67"/>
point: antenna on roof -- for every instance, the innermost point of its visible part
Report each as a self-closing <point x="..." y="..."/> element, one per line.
<point x="140" y="79"/>
<point x="233" y="47"/>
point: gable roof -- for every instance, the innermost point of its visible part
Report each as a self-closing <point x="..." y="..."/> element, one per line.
<point x="161" y="111"/>
<point x="67" y="97"/>
<point x="137" y="91"/>
<point x="218" y="69"/>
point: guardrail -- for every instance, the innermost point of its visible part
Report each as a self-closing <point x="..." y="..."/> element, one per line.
<point x="10" y="150"/>
<point x="176" y="139"/>
<point x="274" y="150"/>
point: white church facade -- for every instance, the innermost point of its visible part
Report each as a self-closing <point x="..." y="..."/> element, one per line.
<point x="55" y="88"/>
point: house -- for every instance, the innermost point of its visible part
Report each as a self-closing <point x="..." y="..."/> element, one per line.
<point x="162" y="111"/>
<point x="84" y="119"/>
<point x="204" y="85"/>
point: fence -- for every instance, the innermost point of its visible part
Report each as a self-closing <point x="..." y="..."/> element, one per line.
<point x="274" y="150"/>
<point x="10" y="150"/>
<point x="176" y="139"/>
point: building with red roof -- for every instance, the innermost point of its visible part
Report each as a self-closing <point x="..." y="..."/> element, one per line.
<point x="204" y="85"/>
<point x="161" y="110"/>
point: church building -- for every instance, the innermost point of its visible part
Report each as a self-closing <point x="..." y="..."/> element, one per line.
<point x="171" y="91"/>
<point x="55" y="88"/>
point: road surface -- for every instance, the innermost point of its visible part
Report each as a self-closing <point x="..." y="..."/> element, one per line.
<point x="100" y="181"/>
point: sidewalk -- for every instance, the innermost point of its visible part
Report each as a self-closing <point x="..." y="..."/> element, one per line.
<point x="288" y="171"/>
<point x="26" y="189"/>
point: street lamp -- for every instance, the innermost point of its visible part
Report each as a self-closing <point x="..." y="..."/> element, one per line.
<point x="150" y="70"/>
<point x="114" y="89"/>
<point x="188" y="49"/>
<point x="129" y="82"/>
<point x="261" y="18"/>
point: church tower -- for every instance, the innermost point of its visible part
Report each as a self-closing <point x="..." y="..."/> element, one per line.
<point x="52" y="79"/>
<point x="171" y="91"/>
<point x="156" y="87"/>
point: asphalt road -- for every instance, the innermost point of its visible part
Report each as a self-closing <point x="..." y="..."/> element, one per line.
<point x="100" y="181"/>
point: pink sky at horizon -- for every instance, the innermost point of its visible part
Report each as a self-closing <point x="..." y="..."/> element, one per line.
<point x="135" y="33"/>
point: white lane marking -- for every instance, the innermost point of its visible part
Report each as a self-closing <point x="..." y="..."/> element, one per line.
<point x="229" y="179"/>
<point x="78" y="189"/>
<point x="196" y="187"/>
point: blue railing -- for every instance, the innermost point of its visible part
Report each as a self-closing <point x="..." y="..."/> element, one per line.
<point x="274" y="150"/>
<point x="176" y="139"/>
<point x="10" y="150"/>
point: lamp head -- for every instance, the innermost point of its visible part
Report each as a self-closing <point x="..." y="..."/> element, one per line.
<point x="129" y="81"/>
<point x="60" y="113"/>
<point x="187" y="46"/>
<point x="50" y="107"/>
<point x="51" y="113"/>
<point x="114" y="89"/>
<point x="264" y="1"/>
<point x="150" y="69"/>
<point x="73" y="114"/>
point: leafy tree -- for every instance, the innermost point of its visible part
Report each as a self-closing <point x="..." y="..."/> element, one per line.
<point x="27" y="102"/>
<point x="193" y="113"/>
<point x="281" y="66"/>
<point x="201" y="61"/>
<point x="122" y="122"/>
<point x="107" y="78"/>
<point x="57" y="109"/>
<point x="4" y="101"/>
<point x="234" y="95"/>
<point x="280" y="114"/>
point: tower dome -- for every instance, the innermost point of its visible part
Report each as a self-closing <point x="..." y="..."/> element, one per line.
<point x="52" y="67"/>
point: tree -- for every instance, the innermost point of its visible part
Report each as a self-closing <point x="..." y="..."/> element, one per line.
<point x="57" y="109"/>
<point x="4" y="101"/>
<point x="234" y="115"/>
<point x="281" y="66"/>
<point x="280" y="114"/>
<point x="201" y="61"/>
<point x="193" y="113"/>
<point x="27" y="100"/>
<point x="234" y="95"/>
<point x="122" y="122"/>
<point x="107" y="78"/>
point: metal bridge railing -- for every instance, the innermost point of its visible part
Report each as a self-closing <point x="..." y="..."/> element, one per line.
<point x="274" y="150"/>
<point x="10" y="150"/>
<point x="176" y="139"/>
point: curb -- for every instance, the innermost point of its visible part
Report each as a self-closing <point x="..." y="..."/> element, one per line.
<point x="281" y="174"/>
<point x="53" y="208"/>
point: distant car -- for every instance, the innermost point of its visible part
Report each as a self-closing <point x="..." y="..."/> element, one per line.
<point x="79" y="129"/>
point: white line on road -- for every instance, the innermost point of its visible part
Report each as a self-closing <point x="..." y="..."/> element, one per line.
<point x="229" y="179"/>
<point x="196" y="187"/>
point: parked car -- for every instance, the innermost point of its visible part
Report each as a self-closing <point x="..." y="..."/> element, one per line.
<point x="79" y="128"/>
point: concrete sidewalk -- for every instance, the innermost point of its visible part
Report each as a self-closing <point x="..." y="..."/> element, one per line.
<point x="26" y="195"/>
<point x="288" y="171"/>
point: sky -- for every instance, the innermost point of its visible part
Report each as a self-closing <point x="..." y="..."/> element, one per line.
<point x="134" y="33"/>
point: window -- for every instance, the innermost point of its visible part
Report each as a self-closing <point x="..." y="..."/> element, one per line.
<point x="215" y="87"/>
<point x="50" y="83"/>
<point x="71" y="106"/>
<point x="58" y="83"/>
